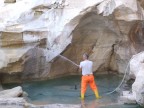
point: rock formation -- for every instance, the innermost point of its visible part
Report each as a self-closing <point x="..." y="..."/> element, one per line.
<point x="15" y="92"/>
<point x="135" y="95"/>
<point x="33" y="34"/>
<point x="12" y="98"/>
<point x="137" y="73"/>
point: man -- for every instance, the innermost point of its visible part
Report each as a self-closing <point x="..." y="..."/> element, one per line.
<point x="87" y="77"/>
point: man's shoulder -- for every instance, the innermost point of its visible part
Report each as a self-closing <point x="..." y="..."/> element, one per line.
<point x="81" y="62"/>
<point x="90" y="61"/>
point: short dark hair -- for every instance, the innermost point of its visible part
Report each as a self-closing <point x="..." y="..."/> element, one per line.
<point x="86" y="55"/>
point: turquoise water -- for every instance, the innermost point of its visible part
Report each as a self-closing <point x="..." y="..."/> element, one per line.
<point x="66" y="90"/>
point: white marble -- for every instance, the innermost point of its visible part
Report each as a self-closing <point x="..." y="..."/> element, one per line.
<point x="137" y="72"/>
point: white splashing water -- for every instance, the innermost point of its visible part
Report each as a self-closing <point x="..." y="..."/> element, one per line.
<point x="69" y="60"/>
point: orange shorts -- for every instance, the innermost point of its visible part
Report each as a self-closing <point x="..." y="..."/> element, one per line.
<point x="88" y="80"/>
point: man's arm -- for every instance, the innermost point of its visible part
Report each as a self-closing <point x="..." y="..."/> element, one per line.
<point x="80" y="67"/>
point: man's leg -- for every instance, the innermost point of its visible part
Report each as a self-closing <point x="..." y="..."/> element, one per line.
<point x="94" y="86"/>
<point x="83" y="86"/>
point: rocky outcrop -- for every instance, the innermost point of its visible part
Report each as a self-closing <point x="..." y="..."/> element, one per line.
<point x="137" y="73"/>
<point x="11" y="93"/>
<point x="32" y="37"/>
<point x="12" y="98"/>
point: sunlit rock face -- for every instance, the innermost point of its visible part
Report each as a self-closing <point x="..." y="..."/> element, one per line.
<point x="34" y="32"/>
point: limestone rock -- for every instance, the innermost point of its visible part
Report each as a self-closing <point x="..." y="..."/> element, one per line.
<point x="137" y="71"/>
<point x="123" y="10"/>
<point x="11" y="93"/>
<point x="12" y="98"/>
<point x="127" y="98"/>
<point x="12" y="103"/>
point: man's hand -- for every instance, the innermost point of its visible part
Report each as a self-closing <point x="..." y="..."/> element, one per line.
<point x="80" y="69"/>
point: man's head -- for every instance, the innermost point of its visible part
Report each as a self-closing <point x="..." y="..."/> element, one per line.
<point x="85" y="56"/>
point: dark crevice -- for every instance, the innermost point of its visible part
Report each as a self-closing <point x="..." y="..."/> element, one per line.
<point x="111" y="57"/>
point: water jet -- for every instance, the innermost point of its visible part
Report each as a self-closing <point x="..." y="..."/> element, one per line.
<point x="69" y="60"/>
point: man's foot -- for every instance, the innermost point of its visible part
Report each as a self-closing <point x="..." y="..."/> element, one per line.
<point x="82" y="96"/>
<point x="83" y="105"/>
<point x="98" y="97"/>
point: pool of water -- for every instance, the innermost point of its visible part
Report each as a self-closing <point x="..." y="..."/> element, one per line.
<point x="66" y="90"/>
